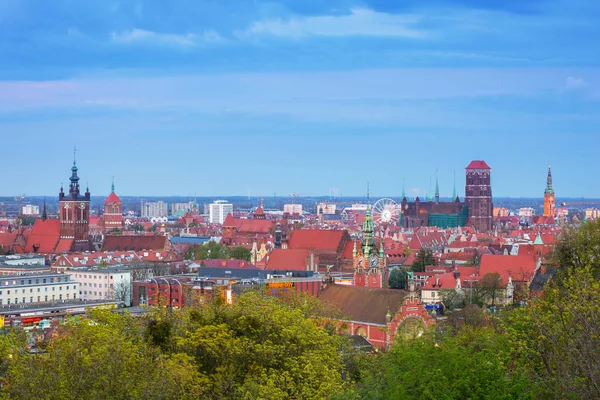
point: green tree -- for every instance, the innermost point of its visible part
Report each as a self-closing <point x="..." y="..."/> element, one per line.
<point x="425" y="257"/>
<point x="240" y="253"/>
<point x="578" y="247"/>
<point x="470" y="365"/>
<point x="398" y="279"/>
<point x="557" y="338"/>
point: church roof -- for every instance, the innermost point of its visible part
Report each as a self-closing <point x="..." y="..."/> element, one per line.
<point x="112" y="198"/>
<point x="134" y="243"/>
<point x="316" y="239"/>
<point x="288" y="259"/>
<point x="44" y="236"/>
<point x="369" y="305"/>
<point x="478" y="164"/>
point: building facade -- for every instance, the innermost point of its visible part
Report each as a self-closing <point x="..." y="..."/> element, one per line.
<point x="104" y="284"/>
<point x="549" y="196"/>
<point x="478" y="195"/>
<point x="30" y="209"/>
<point x="157" y="209"/>
<point x="36" y="288"/>
<point x="218" y="211"/>
<point x="74" y="213"/>
<point x="113" y="212"/>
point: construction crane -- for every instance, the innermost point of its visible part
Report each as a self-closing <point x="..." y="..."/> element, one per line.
<point x="19" y="199"/>
<point x="294" y="195"/>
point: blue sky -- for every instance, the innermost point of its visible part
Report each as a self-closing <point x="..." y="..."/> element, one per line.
<point x="232" y="97"/>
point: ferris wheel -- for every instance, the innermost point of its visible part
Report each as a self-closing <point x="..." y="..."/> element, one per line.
<point x="385" y="211"/>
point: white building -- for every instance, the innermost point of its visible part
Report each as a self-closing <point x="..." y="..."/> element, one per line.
<point x="104" y="284"/>
<point x="218" y="211"/>
<point x="37" y="288"/>
<point x="592" y="213"/>
<point x="526" y="212"/>
<point x="155" y="209"/>
<point x="326" y="208"/>
<point x="30" y="210"/>
<point x="292" y="209"/>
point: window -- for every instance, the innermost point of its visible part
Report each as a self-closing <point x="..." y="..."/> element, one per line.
<point x="432" y="294"/>
<point x="31" y="299"/>
<point x="8" y="301"/>
<point x="8" y="291"/>
<point x="0" y="302"/>
<point x="60" y="296"/>
<point x="60" y="288"/>
<point x="16" y="301"/>
<point x="23" y="291"/>
<point x="23" y="299"/>
<point x="37" y="281"/>
<point x="46" y="298"/>
<point x="22" y="281"/>
<point x="31" y="290"/>
<point x="29" y="282"/>
<point x="44" y="280"/>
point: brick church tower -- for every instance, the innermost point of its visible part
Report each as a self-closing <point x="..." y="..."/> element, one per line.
<point x="74" y="214"/>
<point x="113" y="212"/>
<point x="549" y="196"/>
<point x="370" y="267"/>
<point x="478" y="195"/>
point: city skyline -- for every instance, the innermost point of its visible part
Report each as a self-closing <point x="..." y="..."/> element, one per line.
<point x="242" y="98"/>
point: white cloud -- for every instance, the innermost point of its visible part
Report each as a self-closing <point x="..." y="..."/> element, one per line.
<point x="189" y="39"/>
<point x="574" y="83"/>
<point x="360" y="22"/>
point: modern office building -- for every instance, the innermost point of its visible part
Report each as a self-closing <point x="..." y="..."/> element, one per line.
<point x="155" y="209"/>
<point x="219" y="210"/>
<point x="37" y="288"/>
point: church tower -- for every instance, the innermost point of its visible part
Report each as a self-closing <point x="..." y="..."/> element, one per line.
<point x="478" y="195"/>
<point x="549" y="196"/>
<point x="369" y="262"/>
<point x="74" y="213"/>
<point x="113" y="212"/>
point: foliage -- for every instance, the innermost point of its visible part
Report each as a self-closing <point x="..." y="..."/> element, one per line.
<point x="398" y="279"/>
<point x="214" y="250"/>
<point x="557" y="338"/>
<point x="578" y="248"/>
<point x="453" y="299"/>
<point x="423" y="259"/>
<point x="259" y="347"/>
<point x="470" y="365"/>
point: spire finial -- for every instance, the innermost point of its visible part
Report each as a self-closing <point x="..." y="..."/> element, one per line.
<point x="403" y="189"/>
<point x="368" y="197"/>
<point x="74" y="155"/>
<point x="112" y="186"/>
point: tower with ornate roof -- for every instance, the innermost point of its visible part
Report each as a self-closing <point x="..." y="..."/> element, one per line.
<point x="478" y="195"/>
<point x="549" y="196"/>
<point x="370" y="267"/>
<point x="113" y="211"/>
<point x="74" y="213"/>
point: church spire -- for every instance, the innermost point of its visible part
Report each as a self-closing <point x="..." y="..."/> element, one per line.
<point x="437" y="188"/>
<point x="454" y="191"/>
<point x="112" y="186"/>
<point x="549" y="189"/>
<point x="44" y="214"/>
<point x="430" y="192"/>
<point x="403" y="189"/>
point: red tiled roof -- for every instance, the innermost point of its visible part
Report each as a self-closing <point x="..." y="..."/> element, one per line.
<point x="229" y="220"/>
<point x="478" y="164"/>
<point x="363" y="304"/>
<point x="519" y="268"/>
<point x="316" y="239"/>
<point x="112" y="198"/>
<point x="134" y="243"/>
<point x="63" y="246"/>
<point x="228" y="264"/>
<point x="441" y="281"/>
<point x="7" y="239"/>
<point x="44" y="236"/>
<point x="289" y="259"/>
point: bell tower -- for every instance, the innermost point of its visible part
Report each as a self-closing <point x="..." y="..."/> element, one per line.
<point x="369" y="262"/>
<point x="549" y="196"/>
<point x="74" y="213"/>
<point x="113" y="211"/>
<point x="478" y="195"/>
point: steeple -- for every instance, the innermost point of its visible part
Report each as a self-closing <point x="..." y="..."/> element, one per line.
<point x="367" y="230"/>
<point x="454" y="191"/>
<point x="549" y="189"/>
<point x="368" y="198"/>
<point x="437" y="188"/>
<point x="74" y="186"/>
<point x="403" y="190"/>
<point x="44" y="214"/>
<point x="112" y="186"/>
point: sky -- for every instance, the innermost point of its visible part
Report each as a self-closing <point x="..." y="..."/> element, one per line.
<point x="239" y="97"/>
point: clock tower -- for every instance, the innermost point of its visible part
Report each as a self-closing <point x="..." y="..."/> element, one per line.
<point x="74" y="213"/>
<point x="370" y="267"/>
<point x="549" y="196"/>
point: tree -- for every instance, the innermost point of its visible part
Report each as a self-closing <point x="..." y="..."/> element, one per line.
<point x="557" y="338"/>
<point x="398" y="279"/>
<point x="453" y="299"/>
<point x="122" y="292"/>
<point x="578" y="247"/>
<point x="240" y="253"/>
<point x="470" y="365"/>
<point x="491" y="287"/>
<point x="424" y="258"/>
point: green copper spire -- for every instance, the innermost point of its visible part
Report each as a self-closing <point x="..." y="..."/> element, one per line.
<point x="437" y="188"/>
<point x="381" y="251"/>
<point x="538" y="240"/>
<point x="549" y="189"/>
<point x="112" y="186"/>
<point x="430" y="193"/>
<point x="454" y="192"/>
<point x="403" y="189"/>
<point x="367" y="230"/>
